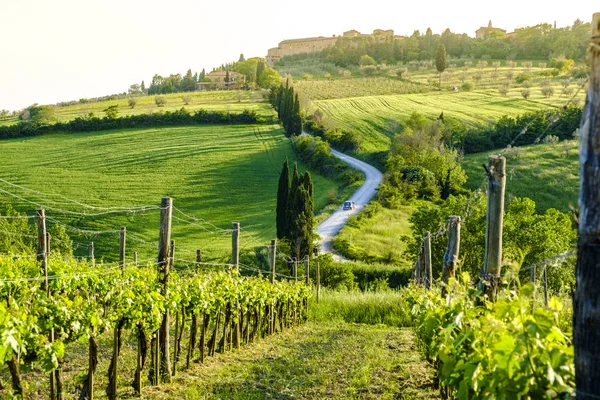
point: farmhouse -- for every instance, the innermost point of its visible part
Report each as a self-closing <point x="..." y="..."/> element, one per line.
<point x="217" y="81"/>
<point x="316" y="44"/>
<point x="483" y="32"/>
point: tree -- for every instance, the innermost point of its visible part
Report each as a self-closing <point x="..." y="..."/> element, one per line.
<point x="283" y="194"/>
<point x="188" y="83"/>
<point x="260" y="68"/>
<point x="134" y="90"/>
<point x="366" y="60"/>
<point x="112" y="112"/>
<point x="226" y="75"/>
<point x="38" y="115"/>
<point x="269" y="78"/>
<point x="440" y="61"/>
<point x="132" y="102"/>
<point x="202" y="75"/>
<point x="160" y="101"/>
<point x="241" y="59"/>
<point x="143" y="87"/>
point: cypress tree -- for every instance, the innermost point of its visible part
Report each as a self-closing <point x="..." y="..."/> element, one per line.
<point x="309" y="212"/>
<point x="292" y="209"/>
<point x="283" y="194"/>
<point x="297" y="119"/>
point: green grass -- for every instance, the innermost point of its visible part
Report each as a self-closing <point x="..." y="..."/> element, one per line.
<point x="376" y="117"/>
<point x="222" y="100"/>
<point x="377" y="238"/>
<point x="220" y="173"/>
<point x="388" y="307"/>
<point x="545" y="173"/>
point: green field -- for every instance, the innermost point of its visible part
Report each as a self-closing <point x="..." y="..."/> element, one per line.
<point x="546" y="173"/>
<point x="220" y="173"/>
<point x="222" y="100"/>
<point x="376" y="117"/>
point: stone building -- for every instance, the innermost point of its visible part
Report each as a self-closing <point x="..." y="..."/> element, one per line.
<point x="216" y="81"/>
<point x="482" y="32"/>
<point x="315" y="44"/>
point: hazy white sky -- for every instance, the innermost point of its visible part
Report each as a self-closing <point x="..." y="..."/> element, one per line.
<point x="59" y="50"/>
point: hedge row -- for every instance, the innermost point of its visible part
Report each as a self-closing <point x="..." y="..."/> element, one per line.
<point x="168" y="118"/>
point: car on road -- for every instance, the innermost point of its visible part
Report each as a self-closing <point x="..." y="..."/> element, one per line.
<point x="348" y="205"/>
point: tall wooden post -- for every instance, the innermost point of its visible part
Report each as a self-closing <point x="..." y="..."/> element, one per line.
<point x="318" y="282"/>
<point x="586" y="302"/>
<point x="451" y="255"/>
<point x="48" y="243"/>
<point x="235" y="245"/>
<point x="91" y="253"/>
<point x="166" y="212"/>
<point x="122" y="243"/>
<point x="198" y="256"/>
<point x="272" y="258"/>
<point x="492" y="261"/>
<point x="427" y="252"/>
<point x="307" y="270"/>
<point x="42" y="256"/>
<point x="172" y="253"/>
<point x="135" y="259"/>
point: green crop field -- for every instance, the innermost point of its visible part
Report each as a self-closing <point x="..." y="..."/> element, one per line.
<point x="219" y="173"/>
<point x="376" y="117"/>
<point x="546" y="173"/>
<point x="222" y="100"/>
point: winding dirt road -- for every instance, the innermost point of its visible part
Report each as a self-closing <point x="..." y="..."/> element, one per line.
<point x="329" y="228"/>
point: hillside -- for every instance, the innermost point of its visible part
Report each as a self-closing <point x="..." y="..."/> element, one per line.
<point x="222" y="100"/>
<point x="217" y="173"/>
<point x="546" y="173"/>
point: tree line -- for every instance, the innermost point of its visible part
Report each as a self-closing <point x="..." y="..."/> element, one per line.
<point x="287" y="104"/>
<point x="539" y="42"/>
<point x="295" y="211"/>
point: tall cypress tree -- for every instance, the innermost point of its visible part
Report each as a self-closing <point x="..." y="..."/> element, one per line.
<point x="293" y="210"/>
<point x="283" y="194"/>
<point x="297" y="119"/>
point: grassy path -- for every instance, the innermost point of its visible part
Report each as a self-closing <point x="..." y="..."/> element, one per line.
<point x="315" y="361"/>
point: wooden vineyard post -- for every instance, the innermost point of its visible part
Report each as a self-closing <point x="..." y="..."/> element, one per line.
<point x="91" y="253"/>
<point x="235" y="260"/>
<point x="422" y="273"/>
<point x="427" y="252"/>
<point x="172" y="254"/>
<point x="318" y="282"/>
<point x="135" y="259"/>
<point x="272" y="258"/>
<point x="586" y="302"/>
<point x="42" y="256"/>
<point x="48" y="243"/>
<point x="122" y="242"/>
<point x="198" y="256"/>
<point x="451" y="255"/>
<point x="492" y="261"/>
<point x="166" y="212"/>
<point x="306" y="270"/>
<point x="235" y="245"/>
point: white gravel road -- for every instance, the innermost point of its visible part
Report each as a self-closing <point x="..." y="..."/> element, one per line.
<point x="332" y="225"/>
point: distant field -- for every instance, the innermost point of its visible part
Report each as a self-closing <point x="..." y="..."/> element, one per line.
<point x="219" y="173"/>
<point x="376" y="117"/>
<point x="228" y="101"/>
<point x="542" y="172"/>
<point x="354" y="87"/>
<point x="377" y="238"/>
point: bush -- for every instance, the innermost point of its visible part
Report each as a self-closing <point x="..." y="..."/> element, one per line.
<point x="186" y="99"/>
<point x="335" y="275"/>
<point x="525" y="93"/>
<point x="160" y="101"/>
<point x="503" y="90"/>
<point x="522" y="78"/>
<point x="562" y="65"/>
<point x="547" y="91"/>
<point x="132" y="102"/>
<point x="467" y="86"/>
<point x="369" y="70"/>
<point x="550" y="139"/>
<point x="366" y="60"/>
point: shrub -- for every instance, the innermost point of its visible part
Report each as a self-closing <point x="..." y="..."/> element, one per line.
<point x="525" y="93"/>
<point x="132" y="102"/>
<point x="186" y="99"/>
<point x="562" y="65"/>
<point x="526" y="84"/>
<point x="550" y="139"/>
<point x="366" y="60"/>
<point x="467" y="86"/>
<point x="547" y="91"/>
<point x="522" y="78"/>
<point x="335" y="275"/>
<point x="369" y="70"/>
<point x="160" y="101"/>
<point x="503" y="90"/>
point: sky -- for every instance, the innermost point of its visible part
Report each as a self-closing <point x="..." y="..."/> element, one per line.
<point x="61" y="50"/>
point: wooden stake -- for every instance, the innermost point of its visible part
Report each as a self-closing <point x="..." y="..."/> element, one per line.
<point x="495" y="216"/>
<point x="135" y="259"/>
<point x="91" y="253"/>
<point x="198" y="256"/>
<point x="586" y="302"/>
<point x="122" y="242"/>
<point x="307" y="270"/>
<point x="166" y="212"/>
<point x="427" y="251"/>
<point x="451" y="255"/>
<point x="172" y="254"/>
<point x="318" y="282"/>
<point x="272" y="258"/>
<point x="48" y="243"/>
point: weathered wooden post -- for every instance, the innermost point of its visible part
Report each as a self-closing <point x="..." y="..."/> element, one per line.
<point x="166" y="212"/>
<point x="235" y="245"/>
<point x="318" y="282"/>
<point x="492" y="262"/>
<point x="421" y="259"/>
<point x="586" y="302"/>
<point x="306" y="270"/>
<point x="42" y="256"/>
<point x="172" y="253"/>
<point x="532" y="277"/>
<point x="198" y="256"/>
<point x="427" y="252"/>
<point x="48" y="243"/>
<point x="135" y="259"/>
<point x="91" y="253"/>
<point x="122" y="243"/>
<point x="272" y="258"/>
<point x="451" y="255"/>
